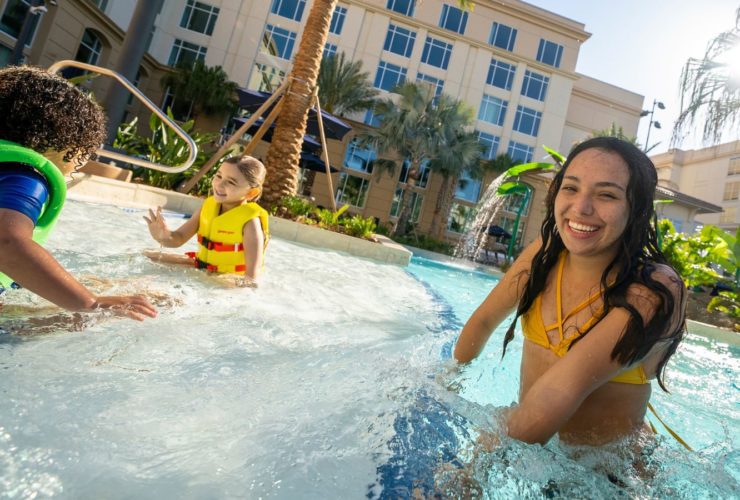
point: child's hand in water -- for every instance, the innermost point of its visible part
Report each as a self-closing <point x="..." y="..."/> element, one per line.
<point x="157" y="225"/>
<point x="132" y="306"/>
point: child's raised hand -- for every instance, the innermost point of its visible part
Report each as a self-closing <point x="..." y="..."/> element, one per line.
<point x="157" y="225"/>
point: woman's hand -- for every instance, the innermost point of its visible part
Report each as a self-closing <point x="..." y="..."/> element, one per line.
<point x="157" y="225"/>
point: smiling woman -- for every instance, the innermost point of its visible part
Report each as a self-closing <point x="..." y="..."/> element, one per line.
<point x="601" y="310"/>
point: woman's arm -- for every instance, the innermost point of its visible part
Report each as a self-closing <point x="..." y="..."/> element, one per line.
<point x="171" y="239"/>
<point x="496" y="307"/>
<point x="559" y="392"/>
<point x="254" y="244"/>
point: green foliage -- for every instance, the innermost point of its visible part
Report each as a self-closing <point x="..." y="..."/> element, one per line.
<point x="691" y="255"/>
<point x="303" y="211"/>
<point x="425" y="243"/>
<point x="209" y="90"/>
<point x="327" y="218"/>
<point x="344" y="87"/>
<point x="359" y="226"/>
<point x="726" y="302"/>
<point x="167" y="148"/>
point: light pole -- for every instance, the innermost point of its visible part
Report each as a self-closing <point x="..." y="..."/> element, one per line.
<point x="653" y="123"/>
<point x="35" y="8"/>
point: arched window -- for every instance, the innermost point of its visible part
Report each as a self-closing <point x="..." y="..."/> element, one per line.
<point x="90" y="48"/>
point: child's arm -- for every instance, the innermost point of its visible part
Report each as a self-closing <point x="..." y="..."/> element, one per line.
<point x="254" y="244"/>
<point x="32" y="267"/>
<point x="171" y="239"/>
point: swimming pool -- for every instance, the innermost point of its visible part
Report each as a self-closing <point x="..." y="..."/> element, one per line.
<point x="330" y="381"/>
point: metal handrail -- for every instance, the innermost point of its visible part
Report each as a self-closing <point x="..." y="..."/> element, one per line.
<point x="54" y="68"/>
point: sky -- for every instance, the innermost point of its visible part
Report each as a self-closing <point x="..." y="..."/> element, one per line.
<point x="642" y="45"/>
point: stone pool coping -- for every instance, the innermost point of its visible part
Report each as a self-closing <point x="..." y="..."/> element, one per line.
<point x="95" y="189"/>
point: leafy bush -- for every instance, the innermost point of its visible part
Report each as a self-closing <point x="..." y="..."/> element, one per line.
<point x="426" y="243"/>
<point x="301" y="210"/>
<point x="167" y="148"/>
<point x="327" y="218"/>
<point x="360" y="226"/>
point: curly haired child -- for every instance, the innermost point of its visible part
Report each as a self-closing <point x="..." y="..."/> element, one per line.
<point x="48" y="128"/>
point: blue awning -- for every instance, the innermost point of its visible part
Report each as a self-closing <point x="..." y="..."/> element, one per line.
<point x="309" y="143"/>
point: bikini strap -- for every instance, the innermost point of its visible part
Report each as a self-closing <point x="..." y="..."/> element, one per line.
<point x="559" y="301"/>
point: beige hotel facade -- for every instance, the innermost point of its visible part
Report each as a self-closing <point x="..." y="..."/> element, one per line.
<point x="513" y="63"/>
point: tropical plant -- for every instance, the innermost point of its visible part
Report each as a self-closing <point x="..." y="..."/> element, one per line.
<point x="344" y="87"/>
<point x="691" y="255"/>
<point x="329" y="219"/>
<point x="295" y="207"/>
<point x="207" y="90"/>
<point x="285" y="148"/>
<point x="420" y="128"/>
<point x="710" y="89"/>
<point x="164" y="147"/>
<point x="360" y="226"/>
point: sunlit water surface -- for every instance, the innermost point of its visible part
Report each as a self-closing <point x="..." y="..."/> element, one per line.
<point x="332" y="380"/>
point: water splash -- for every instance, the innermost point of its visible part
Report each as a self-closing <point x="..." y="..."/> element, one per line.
<point x="475" y="240"/>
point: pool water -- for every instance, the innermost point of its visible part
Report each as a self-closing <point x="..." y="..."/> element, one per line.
<point x="332" y="380"/>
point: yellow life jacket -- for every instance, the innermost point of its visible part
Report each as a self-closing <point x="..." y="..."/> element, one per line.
<point x="221" y="237"/>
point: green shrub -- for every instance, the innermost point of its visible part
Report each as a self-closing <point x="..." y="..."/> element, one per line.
<point x="359" y="226"/>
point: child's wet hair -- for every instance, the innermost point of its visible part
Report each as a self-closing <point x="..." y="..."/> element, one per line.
<point x="252" y="169"/>
<point x="44" y="112"/>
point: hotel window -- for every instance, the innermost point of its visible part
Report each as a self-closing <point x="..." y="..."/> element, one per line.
<point x="734" y="166"/>
<point x="502" y="36"/>
<point x="732" y="191"/>
<point x="389" y="76"/>
<point x="490" y="142"/>
<point x="399" y="40"/>
<point x="278" y="41"/>
<point x="726" y="217"/>
<point x="507" y="224"/>
<point x="329" y="50"/>
<point x="337" y="20"/>
<point x="101" y="3"/>
<point x="461" y="218"/>
<point x="423" y="174"/>
<point x="453" y="19"/>
<point x="199" y="17"/>
<point x="527" y="121"/>
<point x="265" y="78"/>
<point x="90" y="48"/>
<point x="435" y="83"/>
<point x="292" y="9"/>
<point x="352" y="190"/>
<point x="436" y="53"/>
<point x="186" y="53"/>
<point x="13" y="16"/>
<point x="405" y="7"/>
<point x="468" y="189"/>
<point x="372" y="119"/>
<point x="492" y="110"/>
<point x="359" y="158"/>
<point x="549" y="53"/>
<point x="416" y="201"/>
<point x="520" y="152"/>
<point x="500" y="74"/>
<point x="535" y="85"/>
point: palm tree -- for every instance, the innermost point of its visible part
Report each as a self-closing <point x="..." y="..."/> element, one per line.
<point x="208" y="90"/>
<point x="463" y="155"/>
<point x="710" y="89"/>
<point x="421" y="127"/>
<point x="285" y="148"/>
<point x="344" y="87"/>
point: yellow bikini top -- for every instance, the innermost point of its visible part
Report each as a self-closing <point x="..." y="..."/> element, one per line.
<point x="535" y="330"/>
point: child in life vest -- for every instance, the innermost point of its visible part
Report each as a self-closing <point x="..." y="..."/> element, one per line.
<point x="47" y="128"/>
<point x="232" y="229"/>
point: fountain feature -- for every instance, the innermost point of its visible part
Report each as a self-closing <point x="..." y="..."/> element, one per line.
<point x="475" y="240"/>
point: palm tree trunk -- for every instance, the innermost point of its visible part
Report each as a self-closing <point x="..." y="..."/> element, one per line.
<point x="406" y="199"/>
<point x="443" y="206"/>
<point x="285" y="148"/>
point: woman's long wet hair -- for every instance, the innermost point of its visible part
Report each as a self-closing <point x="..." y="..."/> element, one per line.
<point x="634" y="263"/>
